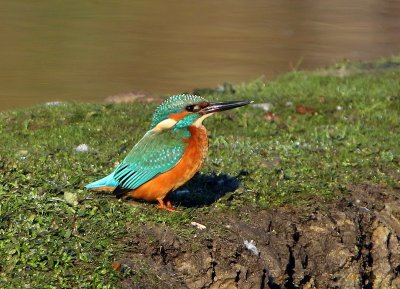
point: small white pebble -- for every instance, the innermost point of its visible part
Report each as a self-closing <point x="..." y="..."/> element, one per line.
<point x="198" y="225"/>
<point x="53" y="103"/>
<point x="82" y="148"/>
<point x="264" y="106"/>
<point x="22" y="154"/>
<point x="339" y="108"/>
<point x="251" y="246"/>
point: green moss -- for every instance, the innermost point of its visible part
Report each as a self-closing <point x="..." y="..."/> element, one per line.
<point x="50" y="239"/>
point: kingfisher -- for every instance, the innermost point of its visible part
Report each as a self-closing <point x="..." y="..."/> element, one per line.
<point x="169" y="154"/>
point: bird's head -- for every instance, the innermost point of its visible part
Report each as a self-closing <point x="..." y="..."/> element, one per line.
<point x="180" y="111"/>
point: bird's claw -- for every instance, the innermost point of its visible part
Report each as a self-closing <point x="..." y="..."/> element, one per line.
<point x="165" y="206"/>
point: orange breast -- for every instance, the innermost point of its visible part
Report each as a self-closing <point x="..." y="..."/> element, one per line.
<point x="190" y="163"/>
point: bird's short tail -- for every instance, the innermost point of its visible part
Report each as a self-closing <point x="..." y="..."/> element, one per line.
<point x="107" y="183"/>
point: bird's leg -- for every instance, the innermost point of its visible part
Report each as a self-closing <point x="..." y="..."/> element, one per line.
<point x="167" y="206"/>
<point x="168" y="203"/>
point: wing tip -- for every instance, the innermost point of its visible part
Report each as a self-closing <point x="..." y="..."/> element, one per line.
<point x="120" y="192"/>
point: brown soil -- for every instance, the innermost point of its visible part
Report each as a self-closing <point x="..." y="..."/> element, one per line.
<point x="349" y="243"/>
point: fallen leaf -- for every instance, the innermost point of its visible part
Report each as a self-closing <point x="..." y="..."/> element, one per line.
<point x="116" y="265"/>
<point x="301" y="109"/>
<point x="124" y="266"/>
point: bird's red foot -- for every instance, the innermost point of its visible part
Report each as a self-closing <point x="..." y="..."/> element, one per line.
<point x="165" y="206"/>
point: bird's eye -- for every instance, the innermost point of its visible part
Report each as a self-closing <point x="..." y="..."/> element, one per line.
<point x="193" y="108"/>
<point x="190" y="108"/>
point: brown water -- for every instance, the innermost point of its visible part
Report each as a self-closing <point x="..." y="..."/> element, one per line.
<point x="88" y="50"/>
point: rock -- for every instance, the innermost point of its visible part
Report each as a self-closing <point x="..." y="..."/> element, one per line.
<point x="198" y="225"/>
<point x="83" y="148"/>
<point x="54" y="103"/>
<point x="251" y="246"/>
<point x="264" y="106"/>
<point x="130" y="97"/>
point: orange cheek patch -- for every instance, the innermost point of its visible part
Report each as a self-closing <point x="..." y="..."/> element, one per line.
<point x="178" y="116"/>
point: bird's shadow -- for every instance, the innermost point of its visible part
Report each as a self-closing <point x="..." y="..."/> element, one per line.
<point x="204" y="189"/>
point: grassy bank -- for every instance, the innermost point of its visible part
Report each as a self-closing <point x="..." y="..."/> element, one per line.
<point x="326" y="130"/>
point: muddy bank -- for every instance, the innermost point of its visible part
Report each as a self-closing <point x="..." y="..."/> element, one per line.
<point x="349" y="243"/>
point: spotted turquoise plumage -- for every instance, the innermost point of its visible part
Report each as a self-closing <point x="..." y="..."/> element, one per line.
<point x="174" y="104"/>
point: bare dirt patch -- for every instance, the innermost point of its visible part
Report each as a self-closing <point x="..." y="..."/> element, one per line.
<point x="349" y="243"/>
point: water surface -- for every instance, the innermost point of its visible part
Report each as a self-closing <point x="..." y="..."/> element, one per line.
<point x="88" y="50"/>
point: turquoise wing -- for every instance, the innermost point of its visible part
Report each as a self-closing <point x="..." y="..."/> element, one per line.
<point x="154" y="154"/>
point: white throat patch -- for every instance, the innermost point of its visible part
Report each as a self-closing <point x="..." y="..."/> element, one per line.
<point x="198" y="123"/>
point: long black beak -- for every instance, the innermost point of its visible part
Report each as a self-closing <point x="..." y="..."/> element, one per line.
<point x="221" y="106"/>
